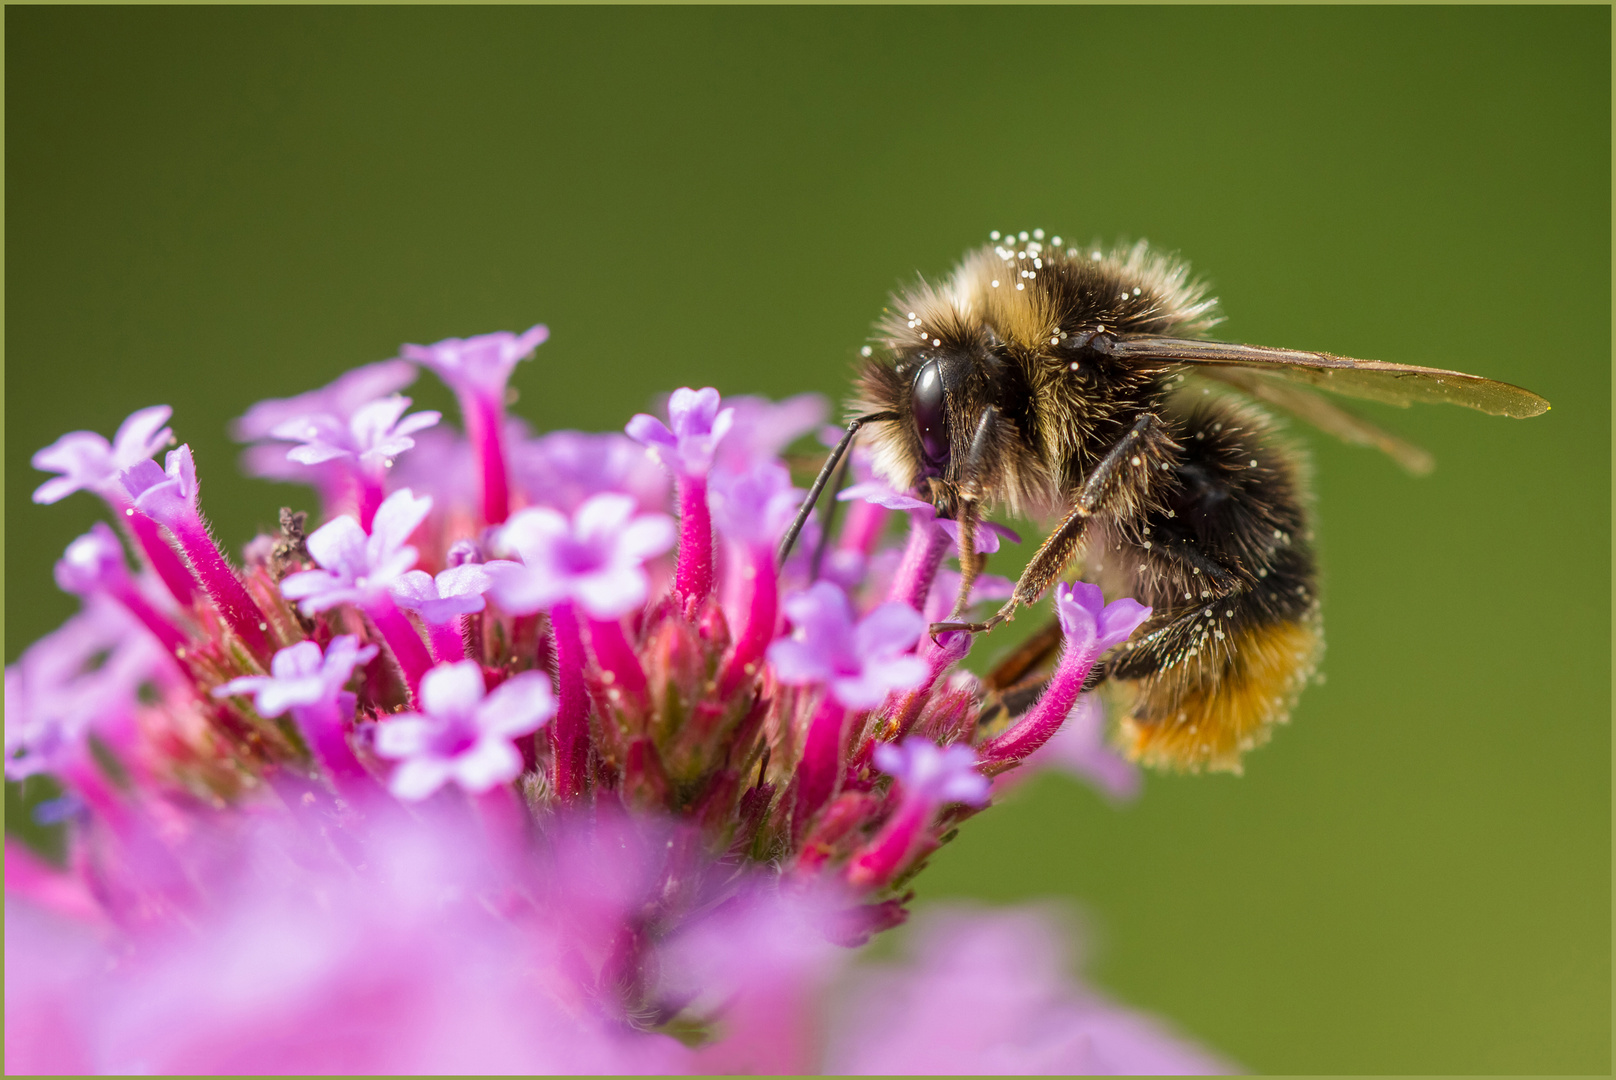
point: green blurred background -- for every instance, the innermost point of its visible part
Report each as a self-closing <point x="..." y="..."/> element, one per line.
<point x="210" y="206"/>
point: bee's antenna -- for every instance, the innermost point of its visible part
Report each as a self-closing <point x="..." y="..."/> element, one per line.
<point x="831" y="511"/>
<point x="790" y="538"/>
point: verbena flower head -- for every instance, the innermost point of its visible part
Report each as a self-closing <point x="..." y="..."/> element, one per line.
<point x="505" y="767"/>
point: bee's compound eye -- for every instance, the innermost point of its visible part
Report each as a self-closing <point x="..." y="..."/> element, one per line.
<point x="931" y="418"/>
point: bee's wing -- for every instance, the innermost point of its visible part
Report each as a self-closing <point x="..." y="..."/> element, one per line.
<point x="1373" y="380"/>
<point x="1322" y="414"/>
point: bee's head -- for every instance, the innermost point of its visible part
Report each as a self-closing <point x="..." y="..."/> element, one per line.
<point x="946" y="438"/>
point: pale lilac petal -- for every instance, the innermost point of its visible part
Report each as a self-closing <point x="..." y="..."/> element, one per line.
<point x="533" y="530"/>
<point x="242" y="687"/>
<point x="489" y="763"/>
<point x="381" y="574"/>
<point x="1119" y="620"/>
<point x="316" y="453"/>
<point x="468" y="579"/>
<point x="521" y="590"/>
<point x="877" y="678"/>
<point x="987" y="534"/>
<point x="372" y="421"/>
<point x="413" y="589"/>
<point x="401" y="736"/>
<point x="57" y="489"/>
<point x="891" y="628"/>
<point x="603" y="515"/>
<point x="317" y="589"/>
<point x="141" y="435"/>
<point x="796" y="663"/>
<point x="340" y="398"/>
<point x="647" y="429"/>
<point x="882" y="494"/>
<point x="339" y="544"/>
<point x="296" y="661"/>
<point x="761" y="428"/>
<point x="1078" y="606"/>
<point x="531" y="339"/>
<point x="278" y="695"/>
<point x="613" y="592"/>
<point x="647" y="536"/>
<point x="518" y="705"/>
<point x="453" y="688"/>
<point x="399" y="515"/>
<point x="419" y="421"/>
<point x="418" y="777"/>
<point x="1006" y="971"/>
<point x="93" y="561"/>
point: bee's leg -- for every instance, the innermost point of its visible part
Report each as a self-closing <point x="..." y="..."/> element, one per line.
<point x="1119" y="481"/>
<point x="977" y="462"/>
<point x="970" y="561"/>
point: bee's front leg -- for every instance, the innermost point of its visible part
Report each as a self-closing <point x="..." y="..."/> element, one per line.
<point x="1121" y="483"/>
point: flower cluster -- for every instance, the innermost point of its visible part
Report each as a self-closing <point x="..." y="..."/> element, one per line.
<point x="570" y="764"/>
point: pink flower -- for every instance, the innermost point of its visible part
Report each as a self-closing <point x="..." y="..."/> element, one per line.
<point x="935" y="774"/>
<point x="596" y="558"/>
<point x="167" y="495"/>
<point x="562" y="469"/>
<point x="1091" y="627"/>
<point x="481" y="364"/>
<point x="300" y="676"/>
<point x="1011" y="1009"/>
<point x="357" y="568"/>
<point x="860" y="662"/>
<point x="456" y="591"/>
<point x="686" y="444"/>
<point x="342" y="398"/>
<point x="372" y="437"/>
<point x="88" y="462"/>
<point x="761" y="429"/>
<point x="463" y="735"/>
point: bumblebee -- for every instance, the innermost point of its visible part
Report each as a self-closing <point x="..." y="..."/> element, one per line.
<point x="1078" y="385"/>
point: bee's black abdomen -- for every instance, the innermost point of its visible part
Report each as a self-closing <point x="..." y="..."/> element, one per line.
<point x="1229" y="571"/>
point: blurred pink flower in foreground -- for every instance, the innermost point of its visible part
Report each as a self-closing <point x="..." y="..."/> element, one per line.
<point x="489" y="774"/>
